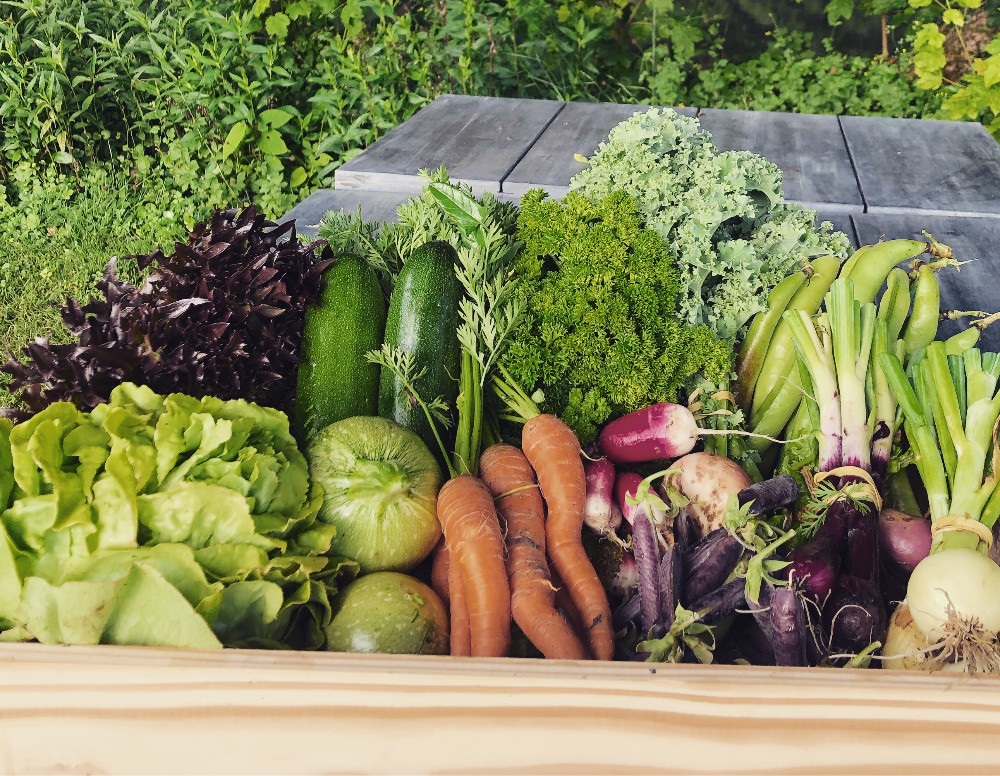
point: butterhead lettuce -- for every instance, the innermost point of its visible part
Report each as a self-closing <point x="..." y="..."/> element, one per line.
<point x="162" y="520"/>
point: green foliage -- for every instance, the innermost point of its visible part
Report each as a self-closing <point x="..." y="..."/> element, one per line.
<point x="795" y="76"/>
<point x="599" y="304"/>
<point x="721" y="214"/>
<point x="58" y="231"/>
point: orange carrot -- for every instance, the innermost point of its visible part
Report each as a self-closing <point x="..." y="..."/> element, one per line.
<point x="476" y="551"/>
<point x="554" y="453"/>
<point x="460" y="629"/>
<point x="511" y="480"/>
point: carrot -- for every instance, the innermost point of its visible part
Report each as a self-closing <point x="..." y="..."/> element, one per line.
<point x="554" y="452"/>
<point x="511" y="480"/>
<point x="460" y="629"/>
<point x="476" y="550"/>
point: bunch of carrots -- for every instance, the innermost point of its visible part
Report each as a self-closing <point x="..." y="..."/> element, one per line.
<point x="513" y="551"/>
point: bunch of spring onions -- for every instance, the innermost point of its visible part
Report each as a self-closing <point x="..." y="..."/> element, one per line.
<point x="838" y="567"/>
<point x="950" y="618"/>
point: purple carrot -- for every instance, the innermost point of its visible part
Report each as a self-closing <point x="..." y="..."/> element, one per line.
<point x="788" y="629"/>
<point x="722" y="601"/>
<point x="771" y="494"/>
<point x="599" y="514"/>
<point x="708" y="564"/>
<point x="653" y="433"/>
<point x="647" y="564"/>
<point x="854" y="615"/>
<point x="670" y="584"/>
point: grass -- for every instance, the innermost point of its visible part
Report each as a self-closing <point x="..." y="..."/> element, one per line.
<point x="57" y="234"/>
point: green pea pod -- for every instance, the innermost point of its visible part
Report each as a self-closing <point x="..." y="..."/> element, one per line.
<point x="925" y="312"/>
<point x="758" y="338"/>
<point x="870" y="271"/>
<point x="964" y="340"/>
<point x="781" y="358"/>
<point x="894" y="305"/>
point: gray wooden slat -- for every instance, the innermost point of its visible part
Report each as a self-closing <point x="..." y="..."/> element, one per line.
<point x="374" y="205"/>
<point x="941" y="167"/>
<point x="579" y="128"/>
<point x="809" y="149"/>
<point x="479" y="139"/>
<point x="841" y="221"/>
<point x="973" y="286"/>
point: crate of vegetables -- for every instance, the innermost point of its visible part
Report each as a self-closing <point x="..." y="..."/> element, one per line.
<point x="658" y="445"/>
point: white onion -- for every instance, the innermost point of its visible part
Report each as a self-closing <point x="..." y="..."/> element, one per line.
<point x="952" y="583"/>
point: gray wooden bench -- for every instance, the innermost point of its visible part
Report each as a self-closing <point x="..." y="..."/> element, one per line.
<point x="870" y="177"/>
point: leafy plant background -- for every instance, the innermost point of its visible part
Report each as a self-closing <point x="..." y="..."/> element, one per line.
<point x="126" y="121"/>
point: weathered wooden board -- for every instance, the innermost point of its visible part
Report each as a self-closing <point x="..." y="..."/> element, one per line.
<point x="809" y="149"/>
<point x="479" y="139"/>
<point x="974" y="286"/>
<point x="942" y="167"/>
<point x="841" y="221"/>
<point x="579" y="128"/>
<point x="115" y="710"/>
<point x="374" y="206"/>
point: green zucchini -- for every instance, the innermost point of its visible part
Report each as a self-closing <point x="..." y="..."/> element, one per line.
<point x="335" y="379"/>
<point x="423" y="320"/>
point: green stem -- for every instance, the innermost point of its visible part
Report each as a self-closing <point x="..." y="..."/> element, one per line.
<point x="522" y="407"/>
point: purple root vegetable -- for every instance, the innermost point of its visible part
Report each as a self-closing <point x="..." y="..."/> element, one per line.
<point x="769" y="495"/>
<point x="647" y="564"/>
<point x="789" y="629"/>
<point x="721" y="602"/>
<point x="781" y="615"/>
<point x="854" y="615"/>
<point x="904" y="539"/>
<point x="653" y="433"/>
<point x="599" y="514"/>
<point x="670" y="584"/>
<point x="709" y="563"/>
<point x="816" y="564"/>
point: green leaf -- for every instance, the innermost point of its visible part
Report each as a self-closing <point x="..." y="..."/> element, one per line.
<point x="298" y="177"/>
<point x="260" y="7"/>
<point x="352" y="18"/>
<point x="919" y="3"/>
<point x="277" y="26"/>
<point x="953" y="16"/>
<point x="63" y="157"/>
<point x="970" y="3"/>
<point x="234" y="139"/>
<point x="839" y="10"/>
<point x="272" y="143"/>
<point x="990" y="71"/>
<point x="461" y="207"/>
<point x="275" y="117"/>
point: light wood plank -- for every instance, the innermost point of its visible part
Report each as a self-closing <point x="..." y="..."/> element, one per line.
<point x="579" y="128"/>
<point x="942" y="167"/>
<point x="374" y="205"/>
<point x="973" y="286"/>
<point x="134" y="710"/>
<point x="479" y="139"/>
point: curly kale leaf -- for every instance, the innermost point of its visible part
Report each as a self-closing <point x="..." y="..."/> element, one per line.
<point x="721" y="214"/>
<point x="599" y="333"/>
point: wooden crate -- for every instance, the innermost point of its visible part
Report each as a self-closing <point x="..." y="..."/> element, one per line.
<point x="115" y="710"/>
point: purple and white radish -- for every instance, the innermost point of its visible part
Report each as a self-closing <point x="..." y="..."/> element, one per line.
<point x="653" y="433"/>
<point x="600" y="513"/>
